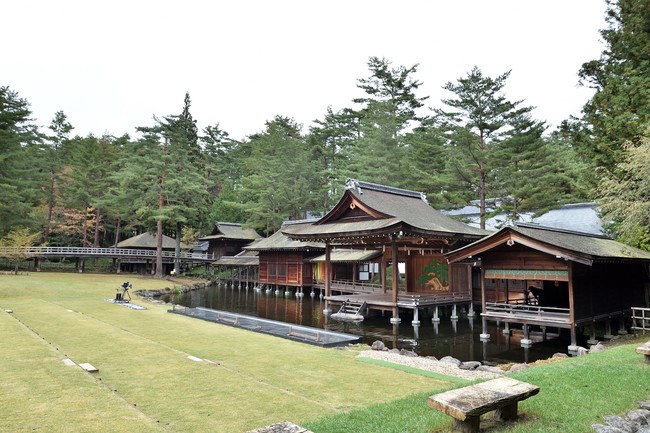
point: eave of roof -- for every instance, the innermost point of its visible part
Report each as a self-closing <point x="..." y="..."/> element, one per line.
<point x="348" y="256"/>
<point x="578" y="247"/>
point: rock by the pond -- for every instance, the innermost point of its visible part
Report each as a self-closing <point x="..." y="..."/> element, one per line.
<point x="560" y="355"/>
<point x="519" y="367"/>
<point x="635" y="421"/>
<point x="378" y="345"/>
<point x="469" y="365"/>
<point x="490" y="369"/>
<point x="450" y="360"/>
<point x="410" y="353"/>
<point x="599" y="347"/>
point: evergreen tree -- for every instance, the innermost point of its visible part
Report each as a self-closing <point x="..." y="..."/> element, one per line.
<point x="479" y="119"/>
<point x="331" y="140"/>
<point x="278" y="177"/>
<point x="53" y="165"/>
<point x="388" y="113"/>
<point x="625" y="195"/>
<point x="620" y="108"/>
<point x="19" y="153"/>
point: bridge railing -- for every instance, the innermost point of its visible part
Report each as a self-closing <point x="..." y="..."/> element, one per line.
<point x="105" y="252"/>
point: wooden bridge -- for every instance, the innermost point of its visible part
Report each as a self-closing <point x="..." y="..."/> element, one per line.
<point x="117" y="253"/>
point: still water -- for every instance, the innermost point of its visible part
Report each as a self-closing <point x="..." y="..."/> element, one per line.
<point x="458" y="338"/>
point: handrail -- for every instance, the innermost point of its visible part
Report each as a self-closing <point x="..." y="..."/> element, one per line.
<point x="353" y="286"/>
<point x="511" y="308"/>
<point x="642" y="315"/>
<point x="91" y="251"/>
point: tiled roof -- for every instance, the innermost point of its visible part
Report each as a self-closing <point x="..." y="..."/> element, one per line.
<point x="148" y="240"/>
<point x="279" y="241"/>
<point x="224" y="230"/>
<point x="401" y="206"/>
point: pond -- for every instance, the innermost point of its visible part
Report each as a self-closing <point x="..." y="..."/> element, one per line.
<point x="458" y="338"/>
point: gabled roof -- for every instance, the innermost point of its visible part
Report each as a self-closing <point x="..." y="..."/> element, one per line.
<point x="245" y="258"/>
<point x="232" y="231"/>
<point x="367" y="209"/>
<point x="279" y="241"/>
<point x="578" y="247"/>
<point x="148" y="240"/>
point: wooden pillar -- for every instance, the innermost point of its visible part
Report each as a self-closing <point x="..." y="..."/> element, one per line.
<point x="382" y="272"/>
<point x="354" y="274"/>
<point x="395" y="282"/>
<point x="328" y="276"/>
<point x="485" y="336"/>
<point x="572" y="316"/>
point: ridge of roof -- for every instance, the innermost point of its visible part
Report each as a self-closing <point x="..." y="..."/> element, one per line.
<point x="360" y="185"/>
<point x="559" y="230"/>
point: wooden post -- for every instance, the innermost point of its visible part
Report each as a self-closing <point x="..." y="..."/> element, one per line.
<point x="572" y="314"/>
<point x="328" y="277"/>
<point x="484" y="332"/>
<point x="395" y="285"/>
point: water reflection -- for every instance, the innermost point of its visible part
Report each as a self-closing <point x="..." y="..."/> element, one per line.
<point x="459" y="338"/>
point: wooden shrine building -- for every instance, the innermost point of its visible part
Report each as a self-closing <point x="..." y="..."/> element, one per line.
<point x="228" y="239"/>
<point x="535" y="276"/>
<point x="405" y="235"/>
<point x="284" y="262"/>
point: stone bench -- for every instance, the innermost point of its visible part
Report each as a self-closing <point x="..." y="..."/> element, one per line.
<point x="645" y="351"/>
<point x="466" y="405"/>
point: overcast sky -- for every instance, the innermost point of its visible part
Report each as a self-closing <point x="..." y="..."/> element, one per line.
<point x="113" y="65"/>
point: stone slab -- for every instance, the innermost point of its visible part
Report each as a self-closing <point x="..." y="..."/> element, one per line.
<point x="281" y="427"/>
<point x="475" y="400"/>
<point x="69" y="362"/>
<point x="88" y="367"/>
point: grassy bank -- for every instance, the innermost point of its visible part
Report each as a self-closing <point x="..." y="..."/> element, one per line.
<point x="146" y="382"/>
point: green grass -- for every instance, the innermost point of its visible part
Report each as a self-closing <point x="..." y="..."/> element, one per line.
<point x="574" y="394"/>
<point x="146" y="383"/>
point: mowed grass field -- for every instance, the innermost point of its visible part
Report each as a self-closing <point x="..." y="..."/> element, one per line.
<point x="149" y="380"/>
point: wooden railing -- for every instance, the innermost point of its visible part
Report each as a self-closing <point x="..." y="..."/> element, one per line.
<point x="101" y="252"/>
<point x="349" y="286"/>
<point x="408" y="299"/>
<point x="640" y="319"/>
<point x="527" y="312"/>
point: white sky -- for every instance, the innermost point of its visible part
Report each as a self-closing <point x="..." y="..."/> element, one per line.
<point x="113" y="65"/>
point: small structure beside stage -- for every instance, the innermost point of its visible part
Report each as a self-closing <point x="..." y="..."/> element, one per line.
<point x="407" y="236"/>
<point x="536" y="276"/>
<point x="228" y="239"/>
<point x="146" y="264"/>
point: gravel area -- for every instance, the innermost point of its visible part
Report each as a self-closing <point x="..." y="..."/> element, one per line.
<point x="423" y="363"/>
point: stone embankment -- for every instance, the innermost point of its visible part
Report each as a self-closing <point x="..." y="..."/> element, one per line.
<point x="635" y="421"/>
<point x="450" y="366"/>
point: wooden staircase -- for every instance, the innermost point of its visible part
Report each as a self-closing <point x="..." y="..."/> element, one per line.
<point x="351" y="310"/>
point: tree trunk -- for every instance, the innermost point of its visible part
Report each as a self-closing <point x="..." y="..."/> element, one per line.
<point x="177" y="260"/>
<point x="159" y="241"/>
<point x="98" y="215"/>
<point x="117" y="231"/>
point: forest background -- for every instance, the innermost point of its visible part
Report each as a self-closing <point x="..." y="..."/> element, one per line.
<point x="61" y="189"/>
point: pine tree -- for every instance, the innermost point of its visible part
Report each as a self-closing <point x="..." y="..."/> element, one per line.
<point x="479" y="119"/>
<point x="19" y="154"/>
<point x="620" y="108"/>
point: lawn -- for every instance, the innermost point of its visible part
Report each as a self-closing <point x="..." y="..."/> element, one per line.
<point x="149" y="379"/>
<point x="161" y="372"/>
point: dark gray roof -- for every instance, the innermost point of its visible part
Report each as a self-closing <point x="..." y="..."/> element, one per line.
<point x="279" y="241"/>
<point x="224" y="230"/>
<point x="580" y="247"/>
<point x="148" y="240"/>
<point x="577" y="217"/>
<point x="401" y="207"/>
